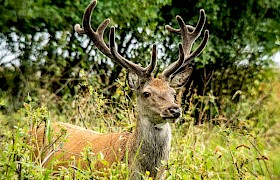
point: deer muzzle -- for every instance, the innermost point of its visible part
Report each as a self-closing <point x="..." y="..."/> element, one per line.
<point x="172" y="113"/>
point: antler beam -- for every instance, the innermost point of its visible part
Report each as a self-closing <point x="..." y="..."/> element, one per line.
<point x="97" y="39"/>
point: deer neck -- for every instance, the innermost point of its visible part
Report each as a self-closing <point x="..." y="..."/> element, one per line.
<point x="151" y="145"/>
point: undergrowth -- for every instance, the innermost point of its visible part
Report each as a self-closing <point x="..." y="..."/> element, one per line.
<point x="240" y="142"/>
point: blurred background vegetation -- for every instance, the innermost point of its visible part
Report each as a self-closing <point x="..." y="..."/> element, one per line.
<point x="44" y="61"/>
<point x="41" y="52"/>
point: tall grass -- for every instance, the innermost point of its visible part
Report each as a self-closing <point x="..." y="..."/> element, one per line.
<point x="240" y="142"/>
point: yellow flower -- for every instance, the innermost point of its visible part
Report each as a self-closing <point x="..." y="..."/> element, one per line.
<point x="148" y="173"/>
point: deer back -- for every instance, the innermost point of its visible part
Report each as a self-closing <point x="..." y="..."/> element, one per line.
<point x="64" y="149"/>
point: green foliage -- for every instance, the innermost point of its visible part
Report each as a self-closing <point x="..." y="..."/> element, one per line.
<point x="48" y="55"/>
<point x="63" y="77"/>
<point x="240" y="47"/>
<point x="219" y="153"/>
<point x="243" y="145"/>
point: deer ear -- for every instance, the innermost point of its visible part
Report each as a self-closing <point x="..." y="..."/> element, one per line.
<point x="133" y="80"/>
<point x="179" y="79"/>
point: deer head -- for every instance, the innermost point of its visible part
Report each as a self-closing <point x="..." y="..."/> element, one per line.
<point x="155" y="94"/>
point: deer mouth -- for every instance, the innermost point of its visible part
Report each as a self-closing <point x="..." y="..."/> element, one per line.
<point x="171" y="114"/>
<point x="171" y="119"/>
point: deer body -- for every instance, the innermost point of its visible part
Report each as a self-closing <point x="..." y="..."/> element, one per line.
<point x="77" y="139"/>
<point x="149" y="145"/>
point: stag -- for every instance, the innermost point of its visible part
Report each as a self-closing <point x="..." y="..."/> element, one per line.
<point x="149" y="144"/>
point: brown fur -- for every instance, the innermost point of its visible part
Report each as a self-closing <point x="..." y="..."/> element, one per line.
<point x="111" y="145"/>
<point x="147" y="147"/>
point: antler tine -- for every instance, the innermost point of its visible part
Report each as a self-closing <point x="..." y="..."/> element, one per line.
<point x="177" y="31"/>
<point x="177" y="64"/>
<point x="190" y="36"/>
<point x="194" y="54"/>
<point x="97" y="38"/>
<point x="199" y="49"/>
<point x="140" y="71"/>
<point x="201" y="21"/>
<point x="173" y="30"/>
<point x="150" y="68"/>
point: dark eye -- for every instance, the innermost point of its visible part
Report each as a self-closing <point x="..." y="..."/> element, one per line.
<point x="146" y="94"/>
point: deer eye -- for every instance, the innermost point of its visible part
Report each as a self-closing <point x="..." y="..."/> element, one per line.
<point x="146" y="94"/>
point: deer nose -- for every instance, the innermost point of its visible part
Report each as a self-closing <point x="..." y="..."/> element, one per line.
<point x="175" y="111"/>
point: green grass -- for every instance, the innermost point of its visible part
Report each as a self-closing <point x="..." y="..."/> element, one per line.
<point x="243" y="145"/>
